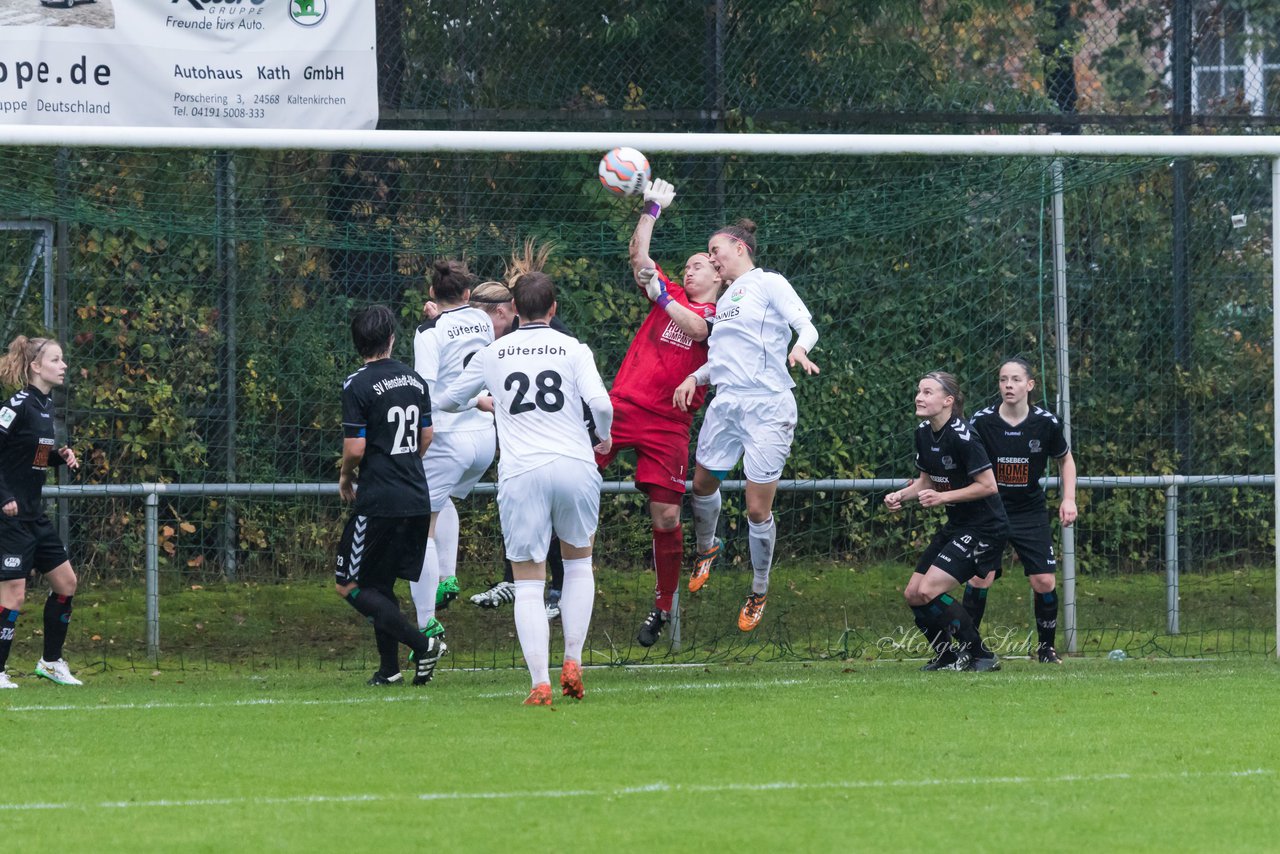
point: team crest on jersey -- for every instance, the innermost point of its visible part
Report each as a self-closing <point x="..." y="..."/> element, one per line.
<point x="948" y="462"/>
<point x="1034" y="446"/>
<point x="6" y="416"/>
<point x="737" y="294"/>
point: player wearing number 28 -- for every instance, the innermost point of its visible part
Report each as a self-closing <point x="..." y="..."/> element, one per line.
<point x="547" y="476"/>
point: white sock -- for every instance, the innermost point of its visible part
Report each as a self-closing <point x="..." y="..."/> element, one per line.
<point x="533" y="630"/>
<point x="447" y="539"/>
<point x="762" y="536"/>
<point x="423" y="590"/>
<point x="706" y="515"/>
<point x="576" y="601"/>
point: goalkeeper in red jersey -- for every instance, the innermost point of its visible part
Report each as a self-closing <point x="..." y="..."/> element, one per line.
<point x="669" y="346"/>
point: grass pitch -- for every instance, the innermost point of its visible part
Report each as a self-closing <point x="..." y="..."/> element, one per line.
<point x="857" y="756"/>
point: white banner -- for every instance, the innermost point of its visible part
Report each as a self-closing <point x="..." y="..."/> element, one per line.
<point x="189" y="63"/>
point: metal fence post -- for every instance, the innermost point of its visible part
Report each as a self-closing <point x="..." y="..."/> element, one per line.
<point x="1171" y="554"/>
<point x="152" y="517"/>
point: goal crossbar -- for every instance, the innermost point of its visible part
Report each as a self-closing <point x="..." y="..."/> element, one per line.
<point x="463" y="141"/>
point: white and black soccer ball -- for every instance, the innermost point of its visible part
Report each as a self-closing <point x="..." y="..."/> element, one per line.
<point x="624" y="171"/>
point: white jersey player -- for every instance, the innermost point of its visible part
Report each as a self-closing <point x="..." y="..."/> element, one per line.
<point x="753" y="415"/>
<point x="547" y="475"/>
<point x="752" y="329"/>
<point x="464" y="444"/>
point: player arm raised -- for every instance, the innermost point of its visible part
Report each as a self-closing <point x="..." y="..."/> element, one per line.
<point x="659" y="194"/>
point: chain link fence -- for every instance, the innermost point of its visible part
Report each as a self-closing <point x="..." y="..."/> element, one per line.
<point x="204" y="295"/>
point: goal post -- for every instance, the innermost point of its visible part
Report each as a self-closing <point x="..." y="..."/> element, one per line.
<point x="1002" y="244"/>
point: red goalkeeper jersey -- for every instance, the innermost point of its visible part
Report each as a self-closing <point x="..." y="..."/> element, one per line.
<point x="660" y="358"/>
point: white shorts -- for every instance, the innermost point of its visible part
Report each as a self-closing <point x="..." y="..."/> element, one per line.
<point x="564" y="497"/>
<point x="755" y="428"/>
<point x="455" y="462"/>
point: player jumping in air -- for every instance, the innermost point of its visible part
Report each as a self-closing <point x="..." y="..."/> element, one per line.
<point x="28" y="541"/>
<point x="954" y="472"/>
<point x="670" y="345"/>
<point x="1020" y="438"/>
<point x="386" y="427"/>
<point x="753" y="415"/>
<point x="547" y="476"/>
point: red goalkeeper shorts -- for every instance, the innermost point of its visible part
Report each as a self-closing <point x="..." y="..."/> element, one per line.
<point x="661" y="445"/>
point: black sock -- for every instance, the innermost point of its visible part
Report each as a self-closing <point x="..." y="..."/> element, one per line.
<point x="57" y="616"/>
<point x="388" y="653"/>
<point x="947" y="614"/>
<point x="387" y="618"/>
<point x="508" y="574"/>
<point x="8" y="621"/>
<point x="388" y="646"/>
<point x="555" y="563"/>
<point x="975" y="602"/>
<point x="938" y="640"/>
<point x="1045" y="606"/>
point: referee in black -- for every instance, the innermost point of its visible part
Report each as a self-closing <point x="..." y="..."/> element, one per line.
<point x="386" y="428"/>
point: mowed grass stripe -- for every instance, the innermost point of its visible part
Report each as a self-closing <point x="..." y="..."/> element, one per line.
<point x="651" y="788"/>
<point x="419" y="696"/>
<point x="1089" y="670"/>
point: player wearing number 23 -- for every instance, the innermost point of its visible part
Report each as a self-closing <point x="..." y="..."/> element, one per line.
<point x="386" y="428"/>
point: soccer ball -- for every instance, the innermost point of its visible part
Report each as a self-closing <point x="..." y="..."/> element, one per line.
<point x="624" y="171"/>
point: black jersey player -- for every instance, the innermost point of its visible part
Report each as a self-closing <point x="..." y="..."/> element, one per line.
<point x="28" y="541"/>
<point x="386" y="427"/>
<point x="954" y="472"/>
<point x="1020" y="439"/>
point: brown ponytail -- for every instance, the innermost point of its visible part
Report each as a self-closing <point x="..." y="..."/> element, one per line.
<point x="743" y="231"/>
<point x="450" y="280"/>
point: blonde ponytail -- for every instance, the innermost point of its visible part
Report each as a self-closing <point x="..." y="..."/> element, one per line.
<point x="15" y="364"/>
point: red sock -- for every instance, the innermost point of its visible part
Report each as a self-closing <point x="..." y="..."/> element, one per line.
<point x="668" y="554"/>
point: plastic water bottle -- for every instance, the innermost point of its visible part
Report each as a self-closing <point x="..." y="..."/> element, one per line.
<point x="1117" y="655"/>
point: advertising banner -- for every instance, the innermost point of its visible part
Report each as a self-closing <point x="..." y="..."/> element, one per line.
<point x="304" y="64"/>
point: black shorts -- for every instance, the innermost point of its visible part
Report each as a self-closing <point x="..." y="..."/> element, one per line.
<point x="376" y="550"/>
<point x="1032" y="538"/>
<point x="959" y="552"/>
<point x="29" y="544"/>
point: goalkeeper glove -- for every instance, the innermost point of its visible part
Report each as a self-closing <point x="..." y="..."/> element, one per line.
<point x="658" y="194"/>
<point x="654" y="286"/>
